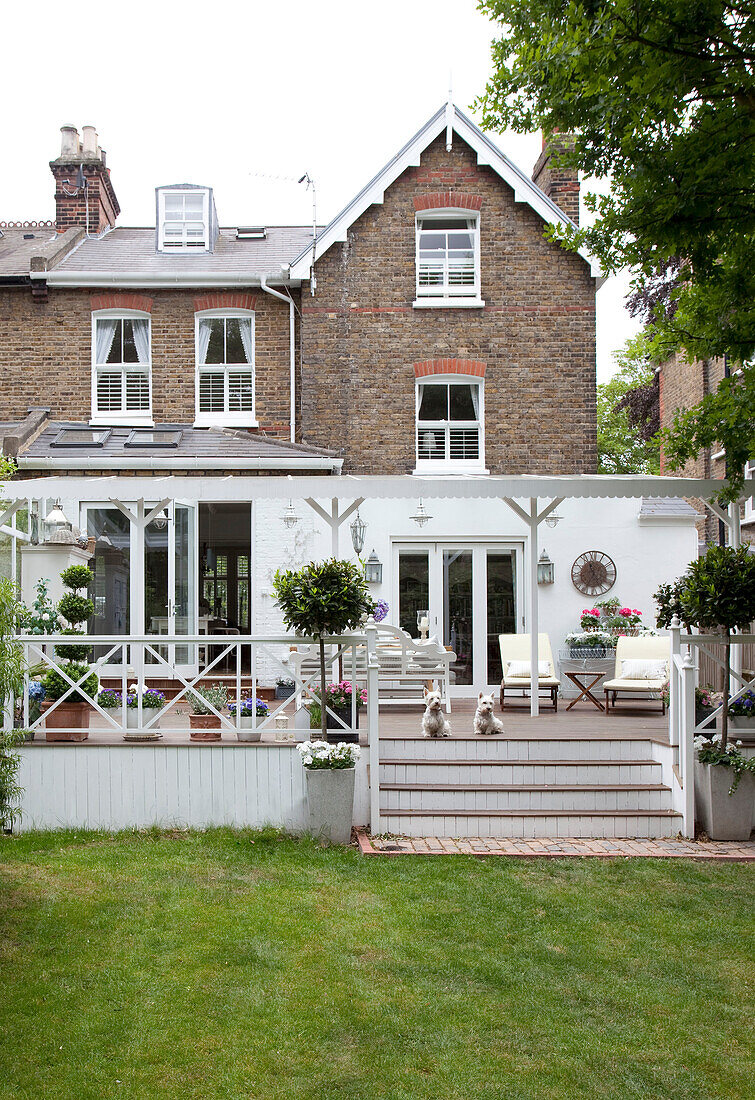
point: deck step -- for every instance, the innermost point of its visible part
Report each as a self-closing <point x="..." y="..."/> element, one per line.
<point x="454" y="750"/>
<point x="451" y="799"/>
<point x="533" y="823"/>
<point x="482" y="773"/>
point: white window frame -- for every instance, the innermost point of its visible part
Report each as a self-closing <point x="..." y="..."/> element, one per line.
<point x="450" y="465"/>
<point x="227" y="418"/>
<point x="141" y="418"/>
<point x="184" y="246"/>
<point x="445" y="296"/>
<point x="749" y="512"/>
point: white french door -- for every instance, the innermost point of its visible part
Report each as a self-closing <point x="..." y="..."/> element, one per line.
<point x="170" y="582"/>
<point x="473" y="594"/>
<point x="145" y="582"/>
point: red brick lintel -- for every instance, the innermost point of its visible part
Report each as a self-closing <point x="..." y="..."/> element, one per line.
<point x="449" y="366"/>
<point x="445" y="200"/>
<point x="225" y="300"/>
<point x="121" y="301"/>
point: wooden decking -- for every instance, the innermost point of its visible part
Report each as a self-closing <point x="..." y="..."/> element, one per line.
<point x="632" y="721"/>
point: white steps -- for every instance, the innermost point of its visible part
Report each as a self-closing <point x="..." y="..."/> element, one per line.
<point x="524" y="787"/>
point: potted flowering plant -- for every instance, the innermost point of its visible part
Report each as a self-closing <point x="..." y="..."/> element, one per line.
<point x="284" y="688"/>
<point x="110" y="699"/>
<point x="588" y="643"/>
<point x="590" y="618"/>
<point x="704" y="705"/>
<point x="152" y="700"/>
<point x="248" y="712"/>
<point x="330" y="775"/>
<point x="742" y="711"/>
<point x="725" y="788"/>
<point x="204" y="701"/>
<point x="338" y="700"/>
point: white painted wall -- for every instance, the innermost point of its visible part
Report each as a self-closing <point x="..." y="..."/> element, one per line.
<point x="115" y="787"/>
<point x="646" y="554"/>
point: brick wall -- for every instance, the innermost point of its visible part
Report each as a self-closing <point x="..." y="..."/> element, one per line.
<point x="46" y="353"/>
<point x="682" y="385"/>
<point x="536" y="334"/>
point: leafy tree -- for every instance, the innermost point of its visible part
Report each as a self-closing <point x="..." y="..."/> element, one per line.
<point x="628" y="415"/>
<point x="658" y="96"/>
<point x="323" y="598"/>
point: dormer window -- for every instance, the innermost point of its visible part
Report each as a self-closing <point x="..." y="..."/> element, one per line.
<point x="183" y="219"/>
<point x="448" y="257"/>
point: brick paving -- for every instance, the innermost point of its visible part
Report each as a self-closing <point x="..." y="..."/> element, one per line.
<point x="544" y="848"/>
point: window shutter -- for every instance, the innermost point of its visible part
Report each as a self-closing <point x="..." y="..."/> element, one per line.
<point x="240" y="391"/>
<point x="211" y="395"/>
<point x="109" y="390"/>
<point x="137" y="392"/>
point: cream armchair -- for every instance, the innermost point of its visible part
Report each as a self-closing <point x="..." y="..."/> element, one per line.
<point x="515" y="656"/>
<point x="647" y="650"/>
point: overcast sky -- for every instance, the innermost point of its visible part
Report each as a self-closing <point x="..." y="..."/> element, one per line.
<point x="244" y="98"/>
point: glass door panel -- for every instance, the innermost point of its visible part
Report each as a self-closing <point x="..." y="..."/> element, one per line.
<point x="184" y="604"/>
<point x="413" y="588"/>
<point x="157" y="593"/>
<point x="111" y="564"/>
<point x="501" y="607"/>
<point x="458" y="624"/>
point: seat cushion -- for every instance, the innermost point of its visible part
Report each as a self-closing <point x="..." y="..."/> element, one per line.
<point x="633" y="685"/>
<point x="524" y="681"/>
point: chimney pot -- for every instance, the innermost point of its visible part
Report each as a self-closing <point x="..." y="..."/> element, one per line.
<point x="69" y="141"/>
<point x="89" y="135"/>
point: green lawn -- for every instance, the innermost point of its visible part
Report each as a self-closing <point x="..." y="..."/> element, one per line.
<point x="237" y="965"/>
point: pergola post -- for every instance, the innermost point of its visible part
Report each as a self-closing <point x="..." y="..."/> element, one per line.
<point x="735" y="541"/>
<point x="534" y="615"/>
<point x="334" y="518"/>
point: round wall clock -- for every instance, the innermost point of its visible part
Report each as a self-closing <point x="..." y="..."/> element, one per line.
<point x="593" y="573"/>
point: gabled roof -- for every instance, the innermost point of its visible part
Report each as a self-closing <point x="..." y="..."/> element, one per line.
<point x="487" y="153"/>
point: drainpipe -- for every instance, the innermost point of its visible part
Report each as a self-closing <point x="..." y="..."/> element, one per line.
<point x="291" y="349"/>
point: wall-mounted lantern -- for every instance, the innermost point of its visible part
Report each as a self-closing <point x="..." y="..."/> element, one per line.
<point x="357" y="528"/>
<point x="373" y="569"/>
<point x="546" y="570"/>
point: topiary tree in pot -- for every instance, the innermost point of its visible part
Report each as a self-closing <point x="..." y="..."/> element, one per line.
<point x="321" y="599"/>
<point x="74" y="609"/>
<point x="717" y="595"/>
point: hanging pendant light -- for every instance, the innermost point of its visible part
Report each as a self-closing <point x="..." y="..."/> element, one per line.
<point x="289" y="516"/>
<point x="553" y="519"/>
<point x="357" y="528"/>
<point x="421" y="516"/>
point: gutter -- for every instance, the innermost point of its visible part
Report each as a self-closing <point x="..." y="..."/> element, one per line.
<point x="291" y="350"/>
<point x="194" y="279"/>
<point x="161" y="462"/>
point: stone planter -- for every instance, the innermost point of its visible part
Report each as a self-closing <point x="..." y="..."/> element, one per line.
<point x="742" y="723"/>
<point x="204" y="727"/>
<point x="723" y="816"/>
<point x="330" y="798"/>
<point x="132" y="723"/>
<point x="339" y="733"/>
<point x="246" y="731"/>
<point x="67" y="714"/>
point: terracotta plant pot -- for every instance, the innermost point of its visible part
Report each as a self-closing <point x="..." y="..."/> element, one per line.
<point x="204" y="727"/>
<point x="72" y="715"/>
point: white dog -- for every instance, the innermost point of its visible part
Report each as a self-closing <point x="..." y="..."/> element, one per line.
<point x="434" y="722"/>
<point x="485" y="722"/>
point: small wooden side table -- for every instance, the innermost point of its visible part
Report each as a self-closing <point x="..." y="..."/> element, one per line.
<point x="585" y="673"/>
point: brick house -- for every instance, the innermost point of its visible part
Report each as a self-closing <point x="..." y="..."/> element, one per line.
<point x="429" y="330"/>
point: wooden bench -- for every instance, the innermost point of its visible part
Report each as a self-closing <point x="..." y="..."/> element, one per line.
<point x="405" y="666"/>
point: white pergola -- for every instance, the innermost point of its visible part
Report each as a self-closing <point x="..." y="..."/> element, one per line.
<point x="531" y="497"/>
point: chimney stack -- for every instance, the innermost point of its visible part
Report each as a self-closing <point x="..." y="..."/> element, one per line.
<point x="84" y="195"/>
<point x="560" y="184"/>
